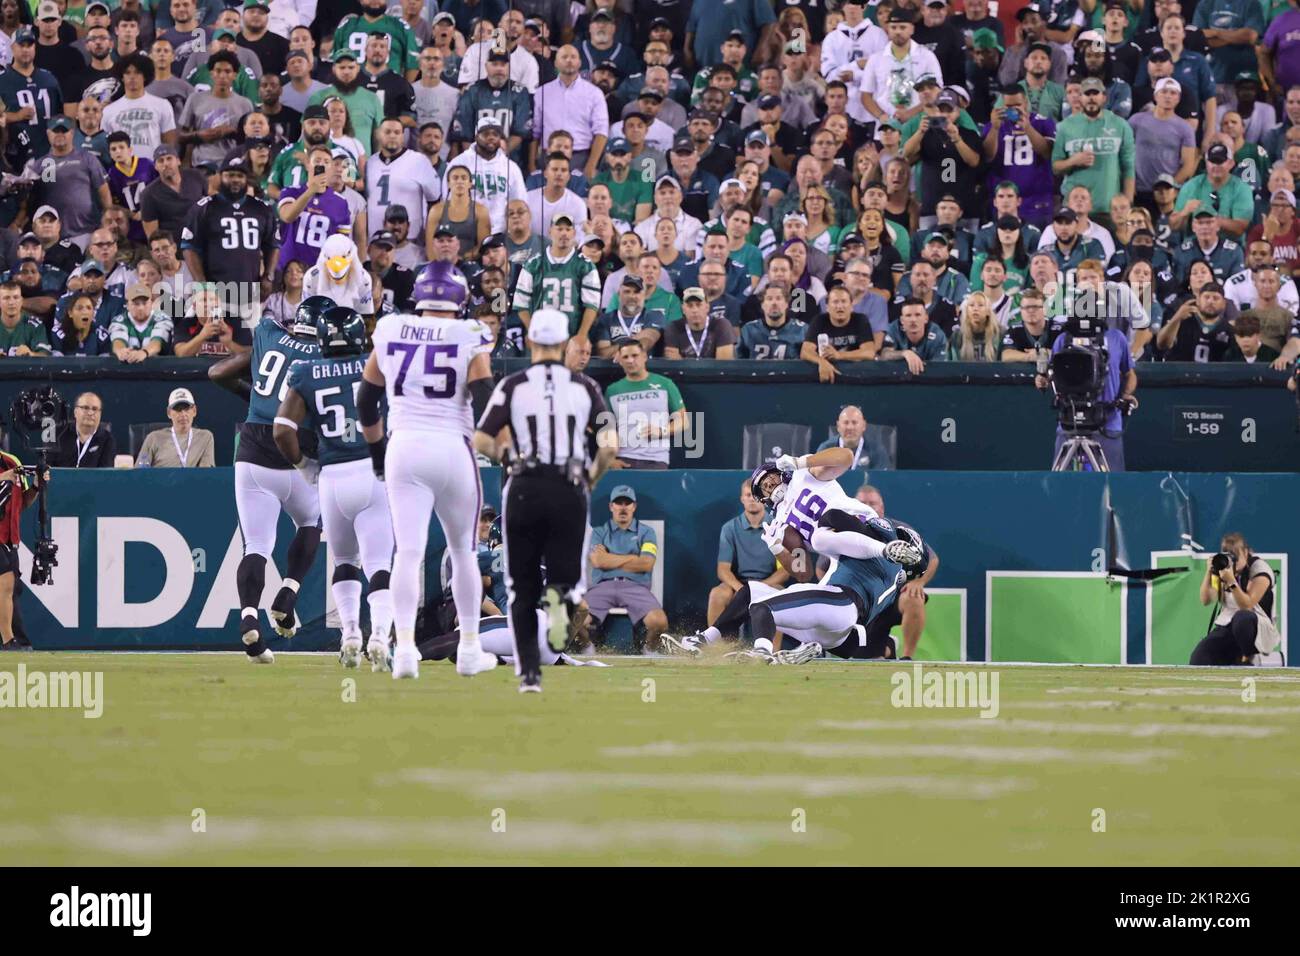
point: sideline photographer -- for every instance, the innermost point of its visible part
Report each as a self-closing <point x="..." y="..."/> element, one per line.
<point x="18" y="489"/>
<point x="1243" y="631"/>
<point x="1093" y="380"/>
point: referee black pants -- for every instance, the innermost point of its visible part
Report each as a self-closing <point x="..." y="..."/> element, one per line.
<point x="545" y="522"/>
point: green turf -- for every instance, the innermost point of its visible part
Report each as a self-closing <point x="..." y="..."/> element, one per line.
<point x="715" y="770"/>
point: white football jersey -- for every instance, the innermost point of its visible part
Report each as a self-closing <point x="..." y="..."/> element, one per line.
<point x="408" y="180"/>
<point x="807" y="497"/>
<point x="425" y="362"/>
<point x="356" y="291"/>
<point x="496" y="181"/>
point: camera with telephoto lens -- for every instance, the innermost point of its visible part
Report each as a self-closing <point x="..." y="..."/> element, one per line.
<point x="38" y="414"/>
<point x="1221" y="562"/>
<point x="1078" y="371"/>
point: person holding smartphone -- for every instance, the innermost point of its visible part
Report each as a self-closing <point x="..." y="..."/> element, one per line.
<point x="312" y="213"/>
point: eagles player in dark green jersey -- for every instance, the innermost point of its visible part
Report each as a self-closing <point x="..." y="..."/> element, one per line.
<point x="264" y="481"/>
<point x="321" y="396"/>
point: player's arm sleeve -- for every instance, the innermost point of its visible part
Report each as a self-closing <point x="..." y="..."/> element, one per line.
<point x="497" y="415"/>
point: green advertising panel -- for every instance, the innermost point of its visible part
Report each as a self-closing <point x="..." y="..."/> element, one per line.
<point x="1071" y="617"/>
<point x="944" y="637"/>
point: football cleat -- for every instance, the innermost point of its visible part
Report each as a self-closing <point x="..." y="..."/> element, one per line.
<point x="749" y="655"/>
<point x="904" y="553"/>
<point x="800" y="655"/>
<point x="467" y="666"/>
<point x="380" y="654"/>
<point x="266" y="657"/>
<point x="531" y="684"/>
<point x="406" y="664"/>
<point x="282" y="615"/>
<point x="557" y="619"/>
<point x="580" y="628"/>
<point x="350" y="651"/>
<point x="691" y="645"/>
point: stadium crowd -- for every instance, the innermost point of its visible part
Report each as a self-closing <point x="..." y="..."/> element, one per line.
<point x="897" y="182"/>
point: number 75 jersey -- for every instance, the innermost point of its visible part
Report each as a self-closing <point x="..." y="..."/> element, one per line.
<point x="425" y="364"/>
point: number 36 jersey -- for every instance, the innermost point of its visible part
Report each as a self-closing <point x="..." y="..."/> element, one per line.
<point x="425" y="364"/>
<point x="274" y="353"/>
<point x="328" y="387"/>
<point x="231" y="238"/>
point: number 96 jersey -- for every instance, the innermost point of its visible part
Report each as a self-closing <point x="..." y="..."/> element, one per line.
<point x="425" y="363"/>
<point x="274" y="352"/>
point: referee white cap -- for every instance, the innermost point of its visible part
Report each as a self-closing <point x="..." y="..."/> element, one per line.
<point x="548" y="327"/>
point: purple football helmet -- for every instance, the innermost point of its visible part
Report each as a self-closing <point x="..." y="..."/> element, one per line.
<point x="441" y="287"/>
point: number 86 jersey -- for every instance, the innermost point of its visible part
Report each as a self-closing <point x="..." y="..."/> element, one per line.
<point x="425" y="363"/>
<point x="807" y="497"/>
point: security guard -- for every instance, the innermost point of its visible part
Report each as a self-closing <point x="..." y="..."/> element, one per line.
<point x="550" y="429"/>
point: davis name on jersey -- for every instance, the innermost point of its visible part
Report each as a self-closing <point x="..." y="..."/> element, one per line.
<point x="274" y="352"/>
<point x="425" y="364"/>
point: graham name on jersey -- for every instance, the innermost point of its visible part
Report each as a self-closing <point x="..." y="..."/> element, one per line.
<point x="351" y="367"/>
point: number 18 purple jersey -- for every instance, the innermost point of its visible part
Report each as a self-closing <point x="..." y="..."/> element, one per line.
<point x="301" y="240"/>
<point x="425" y="363"/>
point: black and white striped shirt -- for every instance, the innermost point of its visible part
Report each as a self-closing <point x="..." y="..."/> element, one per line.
<point x="553" y="414"/>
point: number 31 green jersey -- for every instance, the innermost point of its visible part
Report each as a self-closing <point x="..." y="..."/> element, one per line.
<point x="328" y="387"/>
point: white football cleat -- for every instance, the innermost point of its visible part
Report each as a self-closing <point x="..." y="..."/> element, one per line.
<point x="749" y="655"/>
<point x="691" y="644"/>
<point x="350" y="651"/>
<point x="467" y="666"/>
<point x="266" y="657"/>
<point x="406" y="664"/>
<point x="800" y="655"/>
<point x="285" y="625"/>
<point x="380" y="654"/>
<point x="904" y="553"/>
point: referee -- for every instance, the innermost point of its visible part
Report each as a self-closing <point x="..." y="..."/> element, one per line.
<point x="549" y="429"/>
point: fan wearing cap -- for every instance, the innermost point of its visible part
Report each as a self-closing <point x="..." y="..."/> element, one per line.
<point x="1094" y="148"/>
<point x="1281" y="228"/>
<point x="1207" y="244"/>
<point x="734" y="64"/>
<point x="1092" y="59"/>
<point x="1164" y="142"/>
<point x="312" y="212"/>
<point x="700" y="333"/>
<point x="1174" y="57"/>
<point x="1030" y="34"/>
<point x="560" y="279"/>
<point x="497" y="178"/>
<point x="1067" y="243"/>
<point x="497" y="97"/>
<point x="182" y="445"/>
<point x="197" y="70"/>
<point x="355" y="29"/>
<point x="602" y="44"/>
<point x="1218" y="191"/>
<point x="78" y="182"/>
<point x="31" y="96"/>
<point x="668" y="205"/>
<point x="523" y="66"/>
<point x="936" y="31"/>
<point x="54" y="39"/>
<point x="631" y="195"/>
<point x="629" y="318"/>
<point x="142" y="332"/>
<point x="889" y="81"/>
<point x="230" y="237"/>
<point x="949" y="155"/>
<point x="364" y="109"/>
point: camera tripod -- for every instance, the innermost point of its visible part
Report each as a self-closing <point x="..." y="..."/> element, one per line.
<point x="1080" y="452"/>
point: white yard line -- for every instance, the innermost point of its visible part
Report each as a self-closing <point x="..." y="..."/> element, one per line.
<point x="1057" y="727"/>
<point x="838" y="751"/>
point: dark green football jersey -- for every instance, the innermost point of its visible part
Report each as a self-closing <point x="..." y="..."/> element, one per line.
<point x="875" y="581"/>
<point x="274" y="352"/>
<point x="328" y="387"/>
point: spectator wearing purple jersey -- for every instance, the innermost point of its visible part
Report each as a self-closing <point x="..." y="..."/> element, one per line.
<point x="128" y="175"/>
<point x="311" y="213"/>
<point x="1018" y="148"/>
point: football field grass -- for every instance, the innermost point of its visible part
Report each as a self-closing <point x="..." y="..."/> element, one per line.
<point x="203" y="759"/>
